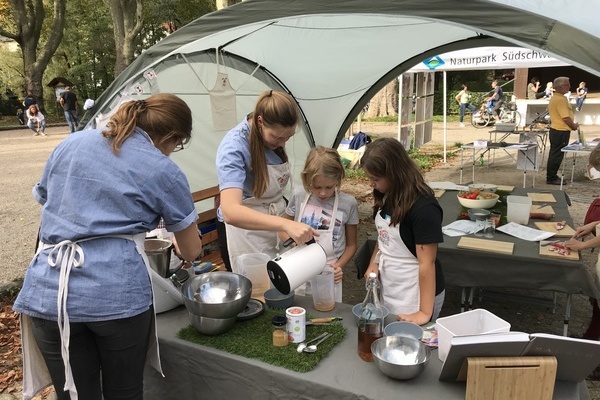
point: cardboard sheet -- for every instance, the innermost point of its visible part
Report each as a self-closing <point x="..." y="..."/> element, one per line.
<point x="543" y="197"/>
<point x="505" y="188"/>
<point x="485" y="245"/>
<point x="567" y="231"/>
<point x="546" y="252"/>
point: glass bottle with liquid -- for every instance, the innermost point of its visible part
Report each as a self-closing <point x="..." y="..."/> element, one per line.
<point x="370" y="320"/>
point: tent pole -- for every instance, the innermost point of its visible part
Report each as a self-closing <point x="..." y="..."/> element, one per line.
<point x="400" y="83"/>
<point x="445" y="115"/>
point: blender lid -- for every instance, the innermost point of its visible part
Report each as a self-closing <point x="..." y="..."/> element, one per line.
<point x="253" y="309"/>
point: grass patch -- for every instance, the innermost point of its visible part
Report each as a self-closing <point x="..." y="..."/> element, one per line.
<point x="253" y="339"/>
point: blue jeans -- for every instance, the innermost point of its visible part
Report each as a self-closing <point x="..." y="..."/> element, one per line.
<point x="579" y="102"/>
<point x="107" y="357"/>
<point x="33" y="126"/>
<point x="72" y="119"/>
<point x="463" y="107"/>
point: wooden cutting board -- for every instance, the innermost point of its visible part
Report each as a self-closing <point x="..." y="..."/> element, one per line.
<point x="505" y="188"/>
<point x="438" y="193"/>
<point x="486" y="245"/>
<point x="567" y="231"/>
<point x="543" y="197"/>
<point x="546" y="210"/>
<point x="544" y="252"/>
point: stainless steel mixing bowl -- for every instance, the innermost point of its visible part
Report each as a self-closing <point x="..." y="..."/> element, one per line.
<point x="400" y="357"/>
<point x="218" y="294"/>
<point x="211" y="326"/>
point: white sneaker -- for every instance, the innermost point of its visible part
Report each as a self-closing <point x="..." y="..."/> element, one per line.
<point x="462" y="125"/>
<point x="36" y="134"/>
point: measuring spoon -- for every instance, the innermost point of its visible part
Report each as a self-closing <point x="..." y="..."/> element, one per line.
<point x="303" y="345"/>
<point x="313" y="347"/>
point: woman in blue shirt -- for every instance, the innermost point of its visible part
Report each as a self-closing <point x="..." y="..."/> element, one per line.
<point x="86" y="300"/>
<point x="253" y="172"/>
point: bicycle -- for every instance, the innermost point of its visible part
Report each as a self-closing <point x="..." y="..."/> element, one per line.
<point x="507" y="113"/>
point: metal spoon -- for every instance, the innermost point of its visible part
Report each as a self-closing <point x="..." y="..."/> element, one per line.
<point x="313" y="347"/>
<point x="303" y="345"/>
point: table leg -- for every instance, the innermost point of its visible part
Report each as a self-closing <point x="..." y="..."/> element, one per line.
<point x="573" y="166"/>
<point x="462" y="151"/>
<point x="471" y="293"/>
<point x="567" y="314"/>
<point x="463" y="297"/>
<point x="473" y="168"/>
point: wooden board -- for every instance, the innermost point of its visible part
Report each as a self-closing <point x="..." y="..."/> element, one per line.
<point x="486" y="245"/>
<point x="544" y="252"/>
<point x="543" y="197"/>
<point x="438" y="193"/>
<point x="567" y="231"/>
<point x="547" y="210"/>
<point x="505" y="188"/>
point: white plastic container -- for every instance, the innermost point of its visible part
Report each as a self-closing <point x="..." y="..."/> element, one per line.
<point x="296" y="324"/>
<point x="474" y="322"/>
<point x="166" y="295"/>
<point x="254" y="267"/>
<point x="518" y="209"/>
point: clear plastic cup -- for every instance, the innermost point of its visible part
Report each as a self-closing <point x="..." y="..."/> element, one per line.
<point x="323" y="292"/>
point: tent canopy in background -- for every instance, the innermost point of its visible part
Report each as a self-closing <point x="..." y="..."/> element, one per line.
<point x="333" y="56"/>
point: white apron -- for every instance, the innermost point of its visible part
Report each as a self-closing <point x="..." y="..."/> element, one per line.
<point x="243" y="241"/>
<point x="67" y="255"/>
<point x="398" y="269"/>
<point x="325" y="240"/>
<point x="222" y="102"/>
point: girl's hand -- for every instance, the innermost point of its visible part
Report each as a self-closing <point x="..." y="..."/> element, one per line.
<point x="372" y="268"/>
<point x="419" y="318"/>
<point x="338" y="273"/>
<point x="575" y="244"/>
<point x="301" y="233"/>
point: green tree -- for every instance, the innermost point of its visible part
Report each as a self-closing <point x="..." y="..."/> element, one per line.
<point x="127" y="16"/>
<point x="25" y="27"/>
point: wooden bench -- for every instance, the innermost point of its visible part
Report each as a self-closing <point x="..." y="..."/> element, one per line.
<point x="207" y="220"/>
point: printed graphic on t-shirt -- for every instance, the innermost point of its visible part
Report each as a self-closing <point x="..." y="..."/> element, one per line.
<point x="319" y="217"/>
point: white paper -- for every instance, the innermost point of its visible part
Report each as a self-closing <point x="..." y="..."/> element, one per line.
<point x="460" y="228"/>
<point x="524" y="232"/>
<point x="447" y="186"/>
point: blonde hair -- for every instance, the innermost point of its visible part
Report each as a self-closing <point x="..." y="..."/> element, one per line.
<point x="275" y="108"/>
<point x="387" y="158"/>
<point x="163" y="116"/>
<point x="37" y="110"/>
<point x="322" y="161"/>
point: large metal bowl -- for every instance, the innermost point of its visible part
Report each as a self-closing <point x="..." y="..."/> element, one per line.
<point x="211" y="326"/>
<point x="400" y="357"/>
<point x="218" y="294"/>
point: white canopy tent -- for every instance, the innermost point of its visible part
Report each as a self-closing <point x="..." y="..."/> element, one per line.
<point x="333" y="56"/>
<point x="502" y="57"/>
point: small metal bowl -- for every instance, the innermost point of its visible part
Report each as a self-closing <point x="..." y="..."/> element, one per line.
<point x="400" y="357"/>
<point x="387" y="317"/>
<point x="478" y="213"/>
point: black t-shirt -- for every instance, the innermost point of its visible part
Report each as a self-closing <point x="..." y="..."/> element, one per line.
<point x="423" y="225"/>
<point x="70" y="100"/>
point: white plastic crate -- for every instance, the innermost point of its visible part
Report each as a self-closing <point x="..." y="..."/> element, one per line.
<point x="474" y="322"/>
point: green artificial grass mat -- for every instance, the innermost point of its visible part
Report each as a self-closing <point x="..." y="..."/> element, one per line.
<point x="254" y="339"/>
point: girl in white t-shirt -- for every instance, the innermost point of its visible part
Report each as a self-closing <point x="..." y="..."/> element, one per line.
<point x="36" y="121"/>
<point x="324" y="208"/>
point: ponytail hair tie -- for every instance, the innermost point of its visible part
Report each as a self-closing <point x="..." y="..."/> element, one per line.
<point x="140" y="105"/>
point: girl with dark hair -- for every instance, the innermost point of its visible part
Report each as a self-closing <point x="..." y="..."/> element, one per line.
<point x="408" y="219"/>
<point x="86" y="302"/>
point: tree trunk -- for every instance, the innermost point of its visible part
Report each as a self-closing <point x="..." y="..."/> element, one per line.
<point x="127" y="24"/>
<point x="29" y="16"/>
<point x="385" y="102"/>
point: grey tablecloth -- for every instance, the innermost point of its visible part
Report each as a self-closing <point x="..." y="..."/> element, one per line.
<point x="523" y="269"/>
<point x="197" y="372"/>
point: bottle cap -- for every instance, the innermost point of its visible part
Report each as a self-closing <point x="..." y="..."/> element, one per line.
<point x="279" y="320"/>
<point x="372" y="275"/>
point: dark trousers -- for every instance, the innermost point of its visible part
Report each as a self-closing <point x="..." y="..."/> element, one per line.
<point x="222" y="232"/>
<point x="558" y="140"/>
<point x="107" y="358"/>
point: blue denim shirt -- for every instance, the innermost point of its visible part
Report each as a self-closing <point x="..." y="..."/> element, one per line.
<point x="86" y="191"/>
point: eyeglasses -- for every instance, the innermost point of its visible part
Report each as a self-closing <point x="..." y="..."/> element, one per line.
<point x="181" y="145"/>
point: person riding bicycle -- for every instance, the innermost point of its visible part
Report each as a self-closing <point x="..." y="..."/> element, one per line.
<point x="495" y="101"/>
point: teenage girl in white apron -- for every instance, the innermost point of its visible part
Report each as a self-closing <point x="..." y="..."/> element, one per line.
<point x="412" y="282"/>
<point x="252" y="223"/>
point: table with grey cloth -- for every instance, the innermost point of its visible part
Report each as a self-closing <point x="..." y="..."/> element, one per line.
<point x="198" y="372"/>
<point x="524" y="268"/>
